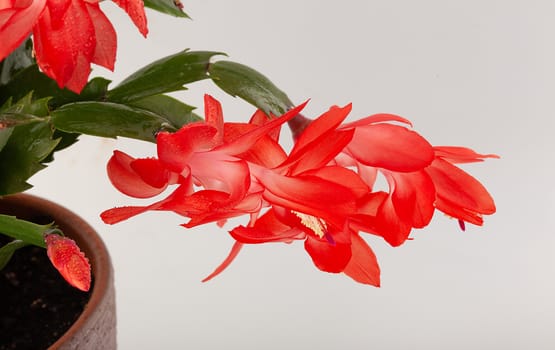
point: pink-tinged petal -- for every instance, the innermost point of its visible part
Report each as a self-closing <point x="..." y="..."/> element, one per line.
<point x="390" y="147"/>
<point x="213" y="115"/>
<point x="413" y="196"/>
<point x="455" y="154"/>
<point x="367" y="174"/>
<point x="268" y="228"/>
<point x="265" y="152"/>
<point x="216" y="171"/>
<point x="376" y="118"/>
<point x="228" y="260"/>
<point x="69" y="260"/>
<point x="126" y="179"/>
<point x="16" y="23"/>
<point x="363" y="266"/>
<point x="458" y="187"/>
<point x="136" y="11"/>
<point x="175" y="149"/>
<point x="106" y="42"/>
<point x="328" y="257"/>
<point x="249" y="139"/>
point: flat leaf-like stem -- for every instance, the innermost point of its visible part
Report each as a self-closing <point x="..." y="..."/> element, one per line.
<point x="108" y="119"/>
<point x="239" y="80"/>
<point x="23" y="230"/>
<point x="167" y="74"/>
<point x="170" y="7"/>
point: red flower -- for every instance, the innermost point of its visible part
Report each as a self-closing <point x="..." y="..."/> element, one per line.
<point x="400" y="155"/>
<point x="311" y="200"/>
<point x="69" y="35"/>
<point x="421" y="178"/>
<point x="322" y="192"/>
<point x="241" y="169"/>
<point x="205" y="154"/>
<point x="69" y="260"/>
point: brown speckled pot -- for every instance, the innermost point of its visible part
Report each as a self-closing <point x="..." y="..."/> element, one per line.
<point x="96" y="327"/>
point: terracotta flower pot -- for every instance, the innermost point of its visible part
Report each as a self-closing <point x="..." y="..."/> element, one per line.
<point x="95" y="328"/>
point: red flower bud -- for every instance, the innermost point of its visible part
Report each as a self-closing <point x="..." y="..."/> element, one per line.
<point x="69" y="260"/>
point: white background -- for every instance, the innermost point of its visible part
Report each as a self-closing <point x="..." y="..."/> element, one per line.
<point x="473" y="73"/>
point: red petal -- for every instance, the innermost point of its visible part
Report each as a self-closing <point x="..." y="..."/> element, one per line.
<point x="318" y="153"/>
<point x="115" y="215"/>
<point x="310" y="195"/>
<point x="386" y="223"/>
<point x="266" y="151"/>
<point x="58" y="9"/>
<point x="376" y="118"/>
<point x="413" y="196"/>
<point x="340" y="175"/>
<point x="456" y="211"/>
<point x="213" y="116"/>
<point x="456" y="154"/>
<point x="106" y="42"/>
<point x="80" y="76"/>
<point x="326" y="256"/>
<point x="261" y="118"/>
<point x="136" y="11"/>
<point x="457" y="187"/>
<point x="175" y="149"/>
<point x="64" y="52"/>
<point x="363" y="266"/>
<point x="16" y="23"/>
<point x="319" y="128"/>
<point x="126" y="179"/>
<point x="391" y="147"/>
<point x="231" y="176"/>
<point x="69" y="260"/>
<point x="228" y="260"/>
<point x="320" y="142"/>
<point x="268" y="228"/>
<point x="151" y="172"/>
<point x="247" y="140"/>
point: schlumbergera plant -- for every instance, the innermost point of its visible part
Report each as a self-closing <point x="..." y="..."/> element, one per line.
<point x="321" y="192"/>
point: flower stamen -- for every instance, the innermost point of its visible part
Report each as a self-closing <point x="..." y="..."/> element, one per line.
<point x="314" y="224"/>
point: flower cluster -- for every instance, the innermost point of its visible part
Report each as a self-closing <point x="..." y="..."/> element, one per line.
<point x="322" y="192"/>
<point x="69" y="35"/>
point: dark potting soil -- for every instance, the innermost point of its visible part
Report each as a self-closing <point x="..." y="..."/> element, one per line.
<point x="37" y="305"/>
